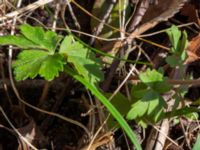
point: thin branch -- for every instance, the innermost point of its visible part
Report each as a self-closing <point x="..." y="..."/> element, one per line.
<point x="18" y="133"/>
<point x="28" y="8"/>
<point x="100" y="26"/>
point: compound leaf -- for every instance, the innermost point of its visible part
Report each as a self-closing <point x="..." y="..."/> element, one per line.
<point x="30" y="63"/>
<point x="83" y="60"/>
<point x="32" y="38"/>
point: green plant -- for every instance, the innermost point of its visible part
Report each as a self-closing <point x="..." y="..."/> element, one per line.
<point x="147" y="95"/>
<point x="147" y="103"/>
<point x="179" y="43"/>
<point x="47" y="54"/>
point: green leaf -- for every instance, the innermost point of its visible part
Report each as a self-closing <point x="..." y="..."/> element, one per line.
<point x="155" y="80"/>
<point x="152" y="98"/>
<point x="45" y="40"/>
<point x="173" y="61"/>
<point x="183" y="46"/>
<point x="33" y="38"/>
<point x="156" y="108"/>
<point x="51" y="40"/>
<point x="39" y="55"/>
<point x="83" y="60"/>
<point x="142" y="123"/>
<point x="35" y="34"/>
<point x="179" y="44"/>
<point x="51" y="67"/>
<point x="19" y="41"/>
<point x="118" y="101"/>
<point x="30" y="63"/>
<point x="192" y="116"/>
<point x="150" y="107"/>
<point x="138" y="90"/>
<point x="150" y="76"/>
<point x="138" y="110"/>
<point x="174" y="36"/>
<point x="197" y="144"/>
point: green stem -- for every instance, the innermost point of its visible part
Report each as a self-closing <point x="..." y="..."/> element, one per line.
<point x="181" y="112"/>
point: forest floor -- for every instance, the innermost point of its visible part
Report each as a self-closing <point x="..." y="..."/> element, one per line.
<point x="34" y="113"/>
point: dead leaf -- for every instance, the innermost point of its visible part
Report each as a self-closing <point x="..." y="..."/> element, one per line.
<point x="102" y="140"/>
<point x="32" y="133"/>
<point x="155" y="14"/>
<point x="193" y="49"/>
<point x="164" y="10"/>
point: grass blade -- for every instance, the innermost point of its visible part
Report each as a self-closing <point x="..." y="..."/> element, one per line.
<point x="108" y="105"/>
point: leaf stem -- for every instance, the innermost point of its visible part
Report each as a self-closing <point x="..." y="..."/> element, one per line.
<point x="45" y="91"/>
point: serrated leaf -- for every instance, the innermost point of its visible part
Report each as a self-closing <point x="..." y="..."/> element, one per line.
<point x="83" y="60"/>
<point x="19" y="41"/>
<point x="156" y="105"/>
<point x="150" y="76"/>
<point x="30" y="63"/>
<point x="33" y="38"/>
<point x="152" y="98"/>
<point x="155" y="80"/>
<point x="138" y="109"/>
<point x="45" y="40"/>
<point x="51" y="40"/>
<point x="51" y="67"/>
<point x="35" y="34"/>
<point x="150" y="107"/>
